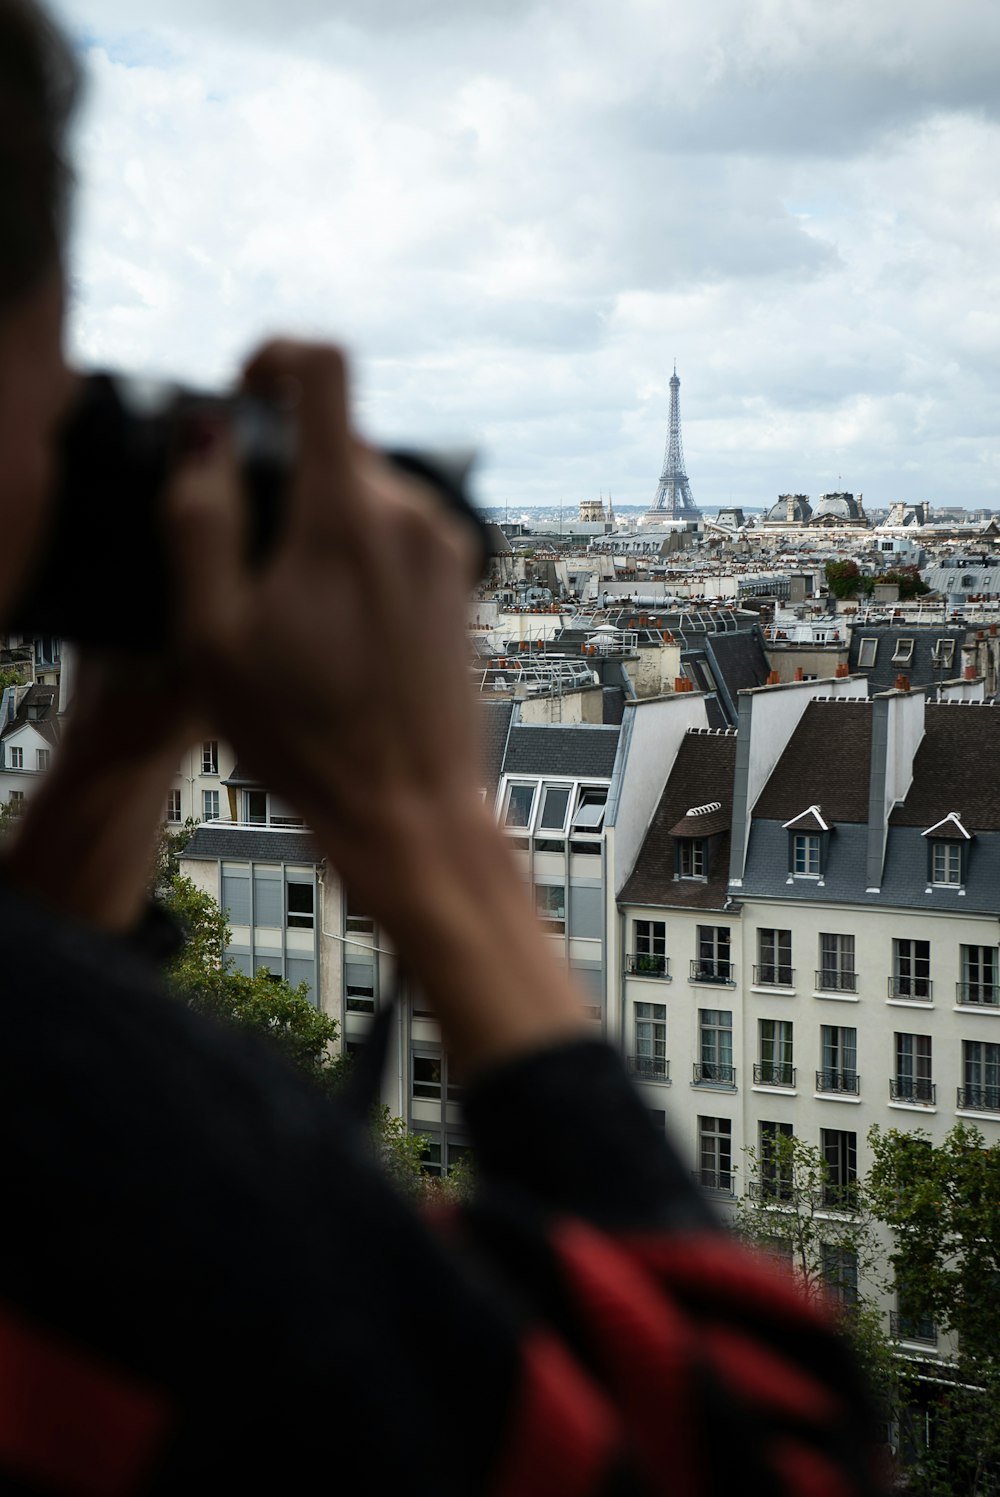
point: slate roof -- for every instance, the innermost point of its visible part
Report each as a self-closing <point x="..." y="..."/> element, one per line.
<point x="702" y="772"/>
<point x="739" y="664"/>
<point x="44" y="700"/>
<point x="242" y="779"/>
<point x="826" y="763"/>
<point x="584" y="751"/>
<point x="251" y="844"/>
<point x="956" y="768"/>
<point x="495" y="727"/>
<point x="921" y="669"/>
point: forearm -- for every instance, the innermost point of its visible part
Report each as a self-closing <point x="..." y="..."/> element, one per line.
<point x="455" y="906"/>
<point x="88" y="836"/>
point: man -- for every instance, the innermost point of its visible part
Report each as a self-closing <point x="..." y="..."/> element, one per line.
<point x="204" y="1282"/>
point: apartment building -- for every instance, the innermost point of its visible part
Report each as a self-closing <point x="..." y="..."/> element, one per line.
<point x="842" y="970"/>
<point x="29" y="737"/>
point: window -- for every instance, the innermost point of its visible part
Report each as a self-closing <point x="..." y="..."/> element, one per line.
<point x="520" y="803"/>
<point x="42" y="757"/>
<point x="16" y="758"/>
<point x="651" y="1041"/>
<point x="359" y="979"/>
<point x="839" y="1064"/>
<point x="981" y="1074"/>
<point x="912" y="1082"/>
<point x="839" y="1267"/>
<point x="690" y="857"/>
<point x="911" y="967"/>
<point x="210" y="757"/>
<point x="716" y="1063"/>
<point x="280" y="813"/>
<point x="866" y="653"/>
<point x="209" y="805"/>
<point x="775" y="1067"/>
<point x="590" y="808"/>
<point x="715" y="1153"/>
<point x="944" y="651"/>
<point x="712" y="963"/>
<point x="426" y="1076"/>
<point x="267" y="910"/>
<point x="301" y="906"/>
<point x="910" y="1325"/>
<point x="903" y="653"/>
<point x="775" y="1160"/>
<point x="16" y="802"/>
<point x="255" y="807"/>
<point x="586" y="911"/>
<point x="550" y="905"/>
<point x="236" y="893"/>
<point x="354" y="919"/>
<point x="946" y="862"/>
<point x="805" y="854"/>
<point x="650" y="957"/>
<point x="840" y="1160"/>
<point x="555" y="805"/>
<point x="836" y="964"/>
<point x="173" y="805"/>
<point x="979" y="975"/>
<point x="774" y="958"/>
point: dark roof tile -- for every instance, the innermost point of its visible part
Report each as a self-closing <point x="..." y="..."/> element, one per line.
<point x="251" y="844"/>
<point x="586" y="752"/>
<point x="827" y="763"/>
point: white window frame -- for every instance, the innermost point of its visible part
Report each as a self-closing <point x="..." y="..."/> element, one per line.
<point x="174" y="808"/>
<point x="946" y="864"/>
<point x="551" y="920"/>
<point x="867" y="653"/>
<point x="806" y="848"/>
<point x="944" y="652"/>
<point x="903" y="653"/>
<point x="16" y="756"/>
<point x="209" y="797"/>
<point x="210" y="756"/>
<point x="520" y="828"/>
<point x="43" y="758"/>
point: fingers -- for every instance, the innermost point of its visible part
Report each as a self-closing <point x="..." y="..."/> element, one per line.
<point x="206" y="516"/>
<point x="311" y="381"/>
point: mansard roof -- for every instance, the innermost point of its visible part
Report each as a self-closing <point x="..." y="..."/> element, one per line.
<point x="826" y="762"/>
<point x="584" y="752"/>
<point x="702" y="773"/>
<point x="955" y="765"/>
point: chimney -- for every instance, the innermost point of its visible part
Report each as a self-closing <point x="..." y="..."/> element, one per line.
<point x="902" y="683"/>
<point x="970" y="672"/>
<point x="842" y="670"/>
<point x="800" y="674"/>
<point x="773" y="678"/>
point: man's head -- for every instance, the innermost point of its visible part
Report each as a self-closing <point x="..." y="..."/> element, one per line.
<point x="37" y="88"/>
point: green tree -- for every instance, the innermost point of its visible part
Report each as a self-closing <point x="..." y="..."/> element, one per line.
<point x="844" y="579"/>
<point x="11" y="676"/>
<point x="908" y="580"/>
<point x="942" y="1205"/>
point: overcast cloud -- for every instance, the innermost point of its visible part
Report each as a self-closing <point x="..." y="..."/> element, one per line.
<point x="517" y="215"/>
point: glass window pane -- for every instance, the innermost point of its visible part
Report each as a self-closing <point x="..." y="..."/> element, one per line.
<point x="520" y="799"/>
<point x="554" y="808"/>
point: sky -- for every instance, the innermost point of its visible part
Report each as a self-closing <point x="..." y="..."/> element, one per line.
<point x="516" y="216"/>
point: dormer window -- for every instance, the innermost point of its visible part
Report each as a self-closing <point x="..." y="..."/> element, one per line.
<point x="520" y="802"/>
<point x="866" y="653"/>
<point x="805" y="854"/>
<point x="690" y="857"/>
<point x="590" y="808"/>
<point x="947" y="852"/>
<point x="944" y="652"/>
<point x="808" y="836"/>
<point x="903" y="653"/>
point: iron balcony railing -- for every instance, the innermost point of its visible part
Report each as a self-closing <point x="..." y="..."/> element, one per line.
<point x="773" y="975"/>
<point x="912" y="1328"/>
<point x="719" y="972"/>
<point x="773" y="1073"/>
<point x="919" y="1089"/>
<point x="845" y="1082"/>
<point x="714" y="1073"/>
<point x="978" y="993"/>
<point x="979" y="1098"/>
<point x="648" y="1067"/>
<point x="772" y="1188"/>
<point x="720" y="1180"/>
<point x="916" y="989"/>
<point x="836" y="980"/>
<point x="643" y="964"/>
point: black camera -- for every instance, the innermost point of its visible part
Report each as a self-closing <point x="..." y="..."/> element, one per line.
<point x="103" y="579"/>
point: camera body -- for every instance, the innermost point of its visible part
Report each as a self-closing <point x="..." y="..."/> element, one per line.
<point x="103" y="579"/>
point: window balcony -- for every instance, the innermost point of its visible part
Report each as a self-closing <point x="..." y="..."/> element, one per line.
<point x="772" y="975"/>
<point x="913" y="989"/>
<point x="643" y="964"/>
<point x="771" y="1188"/>
<point x="835" y="980"/>
<point x="979" y="1098"/>
<point x="978" y="994"/>
<point x="917" y="1090"/>
<point x="717" y="972"/>
<point x="711" y="1073"/>
<point x="722" y="1181"/>
<point x="843" y="1083"/>
<point x="835" y="1196"/>
<point x="912" y="1328"/>
<point x="773" y="1073"/>
<point x="648" y="1068"/>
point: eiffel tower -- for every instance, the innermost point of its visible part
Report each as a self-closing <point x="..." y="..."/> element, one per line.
<point x="673" y="492"/>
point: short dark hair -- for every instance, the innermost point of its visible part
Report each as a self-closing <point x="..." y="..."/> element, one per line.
<point x="38" y="87"/>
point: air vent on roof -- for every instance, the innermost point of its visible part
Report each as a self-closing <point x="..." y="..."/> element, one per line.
<point x="705" y="810"/>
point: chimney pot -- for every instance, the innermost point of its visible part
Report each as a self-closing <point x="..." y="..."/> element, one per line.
<point x="800" y="674"/>
<point x="842" y="670"/>
<point x="902" y="683"/>
<point x="773" y="678"/>
<point x="970" y="672"/>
